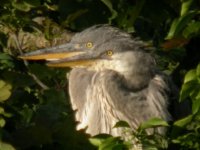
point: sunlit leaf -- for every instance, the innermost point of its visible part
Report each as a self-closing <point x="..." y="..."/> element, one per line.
<point x="186" y="89"/>
<point x="172" y="30"/>
<point x="194" y="93"/>
<point x="98" y="139"/>
<point x="51" y="7"/>
<point x="1" y="110"/>
<point x="5" y="114"/>
<point x="192" y="29"/>
<point x="2" y="84"/>
<point x="183" y="122"/>
<point x="185" y="6"/>
<point x="4" y="90"/>
<point x="198" y="95"/>
<point x="5" y="94"/>
<point x="195" y="105"/>
<point x="154" y="122"/>
<point x="6" y="146"/>
<point x="179" y="24"/>
<point x="109" y="144"/>
<point x="22" y="6"/>
<point x="2" y="122"/>
<point x="198" y="71"/>
<point x="95" y="141"/>
<point x="191" y="75"/>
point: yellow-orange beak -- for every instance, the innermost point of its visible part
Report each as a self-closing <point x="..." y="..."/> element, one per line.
<point x="67" y="55"/>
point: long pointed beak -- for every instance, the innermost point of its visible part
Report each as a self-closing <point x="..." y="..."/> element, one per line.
<point x="84" y="59"/>
<point x="67" y="55"/>
<point x="54" y="53"/>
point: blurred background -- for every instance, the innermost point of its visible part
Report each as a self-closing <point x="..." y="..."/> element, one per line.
<point x="35" y="112"/>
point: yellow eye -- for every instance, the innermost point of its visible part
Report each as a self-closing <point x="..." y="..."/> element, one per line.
<point x="109" y="53"/>
<point x="89" y="45"/>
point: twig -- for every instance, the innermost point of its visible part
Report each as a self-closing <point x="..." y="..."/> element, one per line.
<point x="35" y="78"/>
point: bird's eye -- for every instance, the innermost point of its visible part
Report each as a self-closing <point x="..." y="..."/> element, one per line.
<point x="89" y="45"/>
<point x="109" y="52"/>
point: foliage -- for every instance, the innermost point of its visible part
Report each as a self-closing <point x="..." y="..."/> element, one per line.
<point x="35" y="112"/>
<point x="191" y="123"/>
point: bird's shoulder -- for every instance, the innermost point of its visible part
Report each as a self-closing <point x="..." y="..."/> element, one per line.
<point x="79" y="80"/>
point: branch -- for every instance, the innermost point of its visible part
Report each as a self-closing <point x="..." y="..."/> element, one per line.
<point x="35" y="78"/>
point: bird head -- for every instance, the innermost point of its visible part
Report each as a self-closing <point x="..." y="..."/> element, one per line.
<point x="98" y="47"/>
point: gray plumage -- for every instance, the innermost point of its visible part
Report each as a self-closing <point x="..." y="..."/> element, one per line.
<point x="114" y="77"/>
<point x="126" y="87"/>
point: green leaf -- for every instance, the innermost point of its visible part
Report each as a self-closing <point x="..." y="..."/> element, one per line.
<point x="183" y="122"/>
<point x="5" y="114"/>
<point x="195" y="91"/>
<point x="5" y="56"/>
<point x="2" y="84"/>
<point x="179" y="24"/>
<point x="2" y="122"/>
<point x="4" y="90"/>
<point x="192" y="29"/>
<point x="154" y="122"/>
<point x="22" y="6"/>
<point x="198" y="95"/>
<point x="1" y="110"/>
<point x="121" y="124"/>
<point x="51" y="7"/>
<point x="6" y="61"/>
<point x="109" y="144"/>
<point x="6" y="146"/>
<point x="195" y="105"/>
<point x="98" y="139"/>
<point x="173" y="27"/>
<point x="191" y="75"/>
<point x="114" y="13"/>
<point x="198" y="71"/>
<point x="186" y="89"/>
<point x="72" y="17"/>
<point x="185" y="6"/>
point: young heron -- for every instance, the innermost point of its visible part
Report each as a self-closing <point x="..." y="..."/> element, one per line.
<point x="114" y="77"/>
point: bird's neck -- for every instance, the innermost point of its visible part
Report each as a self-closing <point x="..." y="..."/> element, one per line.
<point x="136" y="82"/>
<point x="137" y="68"/>
<point x="135" y="77"/>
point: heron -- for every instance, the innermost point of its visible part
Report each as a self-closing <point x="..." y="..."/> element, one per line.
<point x="114" y="77"/>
